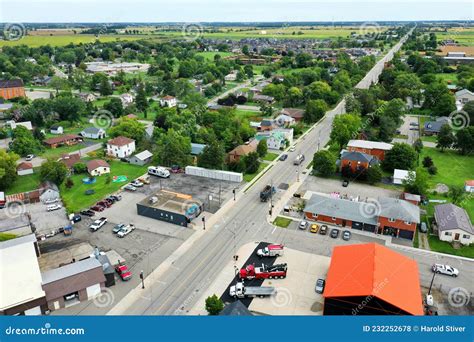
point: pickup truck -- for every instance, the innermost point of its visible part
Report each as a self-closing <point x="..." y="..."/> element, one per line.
<point x="97" y="224"/>
<point x="266" y="193"/>
<point x="240" y="291"/>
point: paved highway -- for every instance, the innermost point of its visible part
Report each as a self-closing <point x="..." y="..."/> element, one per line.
<point x="180" y="287"/>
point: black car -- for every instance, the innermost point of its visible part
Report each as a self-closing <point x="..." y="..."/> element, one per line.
<point x="323" y="230"/>
<point x="89" y="213"/>
<point x="345" y="183"/>
<point x="76" y="218"/>
<point x="335" y="233"/>
<point x="116" y="197"/>
<point x="320" y="284"/>
<point x="283" y="157"/>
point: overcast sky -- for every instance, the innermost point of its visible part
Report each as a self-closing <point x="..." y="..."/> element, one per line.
<point x="232" y="10"/>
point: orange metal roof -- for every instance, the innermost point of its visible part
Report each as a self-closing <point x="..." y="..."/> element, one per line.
<point x="372" y="269"/>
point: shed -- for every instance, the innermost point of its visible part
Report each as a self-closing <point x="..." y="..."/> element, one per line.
<point x="141" y="158"/>
<point x="24" y="168"/>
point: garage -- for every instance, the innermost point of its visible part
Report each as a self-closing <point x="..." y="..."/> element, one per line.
<point x="369" y="228"/>
<point x="357" y="225"/>
<point x="406" y="234"/>
<point x="93" y="291"/>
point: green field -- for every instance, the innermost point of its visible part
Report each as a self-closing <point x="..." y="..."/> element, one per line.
<point x="464" y="36"/>
<point x="270" y="156"/>
<point x="210" y="55"/>
<point x="62" y="40"/>
<point x="75" y="199"/>
<point x="249" y="176"/>
<point x="450" y="78"/>
<point x="25" y="183"/>
<point x="282" y="222"/>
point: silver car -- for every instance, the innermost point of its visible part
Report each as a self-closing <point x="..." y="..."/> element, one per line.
<point x="303" y="225"/>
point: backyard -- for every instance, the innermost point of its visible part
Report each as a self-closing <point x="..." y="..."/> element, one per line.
<point x="25" y="183"/>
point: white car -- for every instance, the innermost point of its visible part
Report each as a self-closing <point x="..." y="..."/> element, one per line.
<point x="303" y="225"/>
<point x="130" y="187"/>
<point x="126" y="230"/>
<point x="97" y="224"/>
<point x="445" y="269"/>
<point x="136" y="183"/>
<point x="53" y="207"/>
<point x="51" y="201"/>
<point x="29" y="157"/>
<point x="292" y="149"/>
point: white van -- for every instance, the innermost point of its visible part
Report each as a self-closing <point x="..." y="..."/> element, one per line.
<point x="158" y="171"/>
<point x="299" y="159"/>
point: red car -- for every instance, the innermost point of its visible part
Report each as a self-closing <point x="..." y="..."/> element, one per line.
<point x="123" y="272"/>
<point x="104" y="204"/>
<point x="98" y="208"/>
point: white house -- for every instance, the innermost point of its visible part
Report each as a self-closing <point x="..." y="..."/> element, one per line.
<point x="277" y="138"/>
<point x="121" y="147"/>
<point x="168" y="101"/>
<point x="400" y="175"/>
<point x="463" y="96"/>
<point x="98" y="167"/>
<point x="13" y="124"/>
<point x="93" y="133"/>
<point x="87" y="97"/>
<point x="127" y="99"/>
<point x="24" y="168"/>
<point x="231" y="77"/>
<point x="49" y="192"/>
<point x="56" y="129"/>
<point x="469" y="185"/>
<point x="284" y="120"/>
<point x="453" y="224"/>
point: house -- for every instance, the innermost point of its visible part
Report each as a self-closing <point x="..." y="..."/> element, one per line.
<point x="87" y="97"/>
<point x="357" y="161"/>
<point x="120" y="147"/>
<point x="48" y="192"/>
<point x="92" y="132"/>
<point x="12" y="124"/>
<point x="266" y="125"/>
<point x="24" y="168"/>
<point x="5" y="106"/>
<point x="41" y="80"/>
<point x="400" y="175"/>
<point x="469" y="185"/>
<point x="168" y="101"/>
<point x="242" y="150"/>
<point x="373" y="148"/>
<point x="70" y="160"/>
<point x="276" y="139"/>
<point x="73" y="283"/>
<point x="127" y="99"/>
<point x="434" y="127"/>
<point x="453" y="224"/>
<point x="371" y="279"/>
<point x="295" y="113"/>
<point x="388" y="216"/>
<point x="67" y="139"/>
<point x="141" y="158"/>
<point x="98" y="167"/>
<point x="263" y="99"/>
<point x="20" y="270"/>
<point x="56" y="129"/>
<point x="231" y="77"/>
<point x="283" y="120"/>
<point x="463" y="96"/>
<point x="10" y="89"/>
<point x="196" y="149"/>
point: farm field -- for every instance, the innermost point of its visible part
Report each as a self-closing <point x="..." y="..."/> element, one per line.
<point x="62" y="40"/>
<point x="464" y="36"/>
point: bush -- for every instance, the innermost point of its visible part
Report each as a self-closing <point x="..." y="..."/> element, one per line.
<point x="214" y="305"/>
<point x="432" y="170"/>
<point x="80" y="168"/>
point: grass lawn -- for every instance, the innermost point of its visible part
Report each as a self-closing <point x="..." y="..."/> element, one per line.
<point x="25" y="183"/>
<point x="270" y="156"/>
<point x="6" y="236"/>
<point x="210" y="55"/>
<point x="451" y="78"/>
<point x="62" y="40"/>
<point x="57" y="152"/>
<point x="453" y="168"/>
<point x="75" y="199"/>
<point x="282" y="222"/>
<point x="445" y="247"/>
<point x="248" y="114"/>
<point x="431" y="138"/>
<point x="249" y="176"/>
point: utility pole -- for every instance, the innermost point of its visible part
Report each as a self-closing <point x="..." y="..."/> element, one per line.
<point x="271" y="198"/>
<point x="233" y="192"/>
<point x="143" y="279"/>
<point x="204" y="223"/>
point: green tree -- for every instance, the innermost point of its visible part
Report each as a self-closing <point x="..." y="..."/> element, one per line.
<point x="315" y="110"/>
<point x="7" y="169"/>
<point x="214" y="305"/>
<point x="105" y="89"/>
<point x="114" y="106"/>
<point x="252" y="162"/>
<point x="344" y="128"/>
<point x="456" y="193"/>
<point x="24" y="142"/>
<point x="129" y="128"/>
<point x="416" y="182"/>
<point x="141" y="100"/>
<point x="445" y="137"/>
<point x="173" y="149"/>
<point x="418" y="145"/>
<point x="262" y="148"/>
<point x="324" y="163"/>
<point x="213" y="156"/>
<point x="465" y="140"/>
<point x="402" y="156"/>
<point x="374" y="174"/>
<point x="53" y="171"/>
<point x="69" y="108"/>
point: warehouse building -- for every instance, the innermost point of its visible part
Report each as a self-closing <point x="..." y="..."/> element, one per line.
<point x="370" y="279"/>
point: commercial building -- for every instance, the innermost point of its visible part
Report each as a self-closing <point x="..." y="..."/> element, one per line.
<point x="370" y="279"/>
<point x="373" y="148"/>
<point x="172" y="207"/>
<point x="11" y="89"/>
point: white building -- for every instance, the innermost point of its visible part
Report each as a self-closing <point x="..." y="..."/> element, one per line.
<point x="168" y="101"/>
<point x="463" y="96"/>
<point x="24" y="168"/>
<point x="277" y="138"/>
<point x="127" y="99"/>
<point x="284" y="120"/>
<point x="453" y="224"/>
<point x="400" y="175"/>
<point x="98" y="167"/>
<point x="93" y="133"/>
<point x="26" y="124"/>
<point x="121" y="147"/>
<point x="469" y="185"/>
<point x="231" y="77"/>
<point x="20" y="283"/>
<point x="56" y="129"/>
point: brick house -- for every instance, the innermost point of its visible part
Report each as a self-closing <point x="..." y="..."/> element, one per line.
<point x="67" y="139"/>
<point x="242" y="150"/>
<point x="11" y="89"/>
<point x="373" y="148"/>
<point x="357" y="161"/>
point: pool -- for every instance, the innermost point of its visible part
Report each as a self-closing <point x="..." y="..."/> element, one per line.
<point x="89" y="180"/>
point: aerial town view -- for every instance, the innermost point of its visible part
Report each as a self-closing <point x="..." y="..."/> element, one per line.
<point x="260" y="159"/>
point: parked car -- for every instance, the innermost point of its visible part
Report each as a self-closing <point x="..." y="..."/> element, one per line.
<point x="320" y="284"/>
<point x="116" y="197"/>
<point x="76" y="218"/>
<point x="51" y="201"/>
<point x="117" y="228"/>
<point x="98" y="208"/>
<point x="136" y="183"/>
<point x="123" y="272"/>
<point x="323" y="230"/>
<point x="283" y="157"/>
<point x="104" y="204"/>
<point x="346" y="235"/>
<point x="303" y="225"/>
<point x="109" y="201"/>
<point x="423" y="227"/>
<point x="53" y="207"/>
<point x="130" y="187"/>
<point x="345" y="183"/>
<point x="445" y="269"/>
<point x="314" y="228"/>
<point x="334" y="233"/>
<point x="292" y="149"/>
<point x="30" y="157"/>
<point x="176" y="169"/>
<point x="144" y="179"/>
<point x="126" y="230"/>
<point x="88" y="212"/>
<point x="97" y="224"/>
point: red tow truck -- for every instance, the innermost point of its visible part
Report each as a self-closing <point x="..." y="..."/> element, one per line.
<point x="264" y="272"/>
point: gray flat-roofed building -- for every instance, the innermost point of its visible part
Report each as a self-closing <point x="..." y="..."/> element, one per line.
<point x="141" y="158"/>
